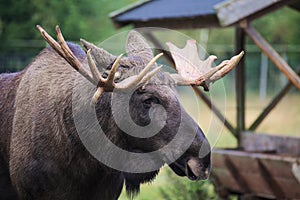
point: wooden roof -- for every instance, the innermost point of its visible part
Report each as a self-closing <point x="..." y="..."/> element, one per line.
<point x="169" y="14"/>
<point x="186" y="14"/>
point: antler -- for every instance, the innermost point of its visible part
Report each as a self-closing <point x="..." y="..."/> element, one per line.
<point x="187" y="64"/>
<point x="95" y="77"/>
<point x="64" y="51"/>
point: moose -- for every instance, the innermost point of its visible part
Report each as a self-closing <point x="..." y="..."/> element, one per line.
<point x="43" y="136"/>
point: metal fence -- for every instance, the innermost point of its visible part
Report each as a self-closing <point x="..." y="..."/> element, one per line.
<point x="262" y="75"/>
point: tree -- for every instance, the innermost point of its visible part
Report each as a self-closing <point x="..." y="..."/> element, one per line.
<point x="78" y="19"/>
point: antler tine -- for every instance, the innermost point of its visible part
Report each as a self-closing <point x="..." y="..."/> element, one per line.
<point x="50" y="41"/>
<point x="148" y="67"/>
<point x="95" y="77"/>
<point x="127" y="84"/>
<point x="95" y="72"/>
<point x="212" y="72"/>
<point x="150" y="74"/>
<point x="191" y="70"/>
<point x="63" y="50"/>
<point x="96" y="96"/>
<point x="111" y="76"/>
<point x="70" y="58"/>
<point x="141" y="78"/>
<point x="183" y="82"/>
<point x="226" y="66"/>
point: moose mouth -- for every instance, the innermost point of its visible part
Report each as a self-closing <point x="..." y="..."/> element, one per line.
<point x="192" y="169"/>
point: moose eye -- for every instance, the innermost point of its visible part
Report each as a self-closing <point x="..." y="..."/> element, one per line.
<point x="150" y="102"/>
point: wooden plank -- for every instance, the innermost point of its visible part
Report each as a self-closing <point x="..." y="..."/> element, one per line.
<point x="248" y="169"/>
<point x="296" y="171"/>
<point x="270" y="143"/>
<point x="283" y="178"/>
<point x="238" y="153"/>
<point x="232" y="11"/>
<point x="270" y="181"/>
<point x="264" y="186"/>
<point x="265" y="175"/>
<point x="234" y="172"/>
<point x="224" y="179"/>
<point x="271" y="54"/>
<point x="244" y="168"/>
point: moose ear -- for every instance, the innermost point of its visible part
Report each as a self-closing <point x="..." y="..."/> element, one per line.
<point x="87" y="45"/>
<point x="136" y="45"/>
<point x="101" y="57"/>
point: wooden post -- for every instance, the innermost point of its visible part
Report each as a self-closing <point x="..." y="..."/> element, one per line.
<point x="271" y="54"/>
<point x="160" y="47"/>
<point x="240" y="77"/>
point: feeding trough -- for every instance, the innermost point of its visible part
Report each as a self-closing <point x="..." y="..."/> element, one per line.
<point x="268" y="167"/>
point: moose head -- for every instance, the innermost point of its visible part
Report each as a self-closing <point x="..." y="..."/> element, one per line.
<point x="151" y="116"/>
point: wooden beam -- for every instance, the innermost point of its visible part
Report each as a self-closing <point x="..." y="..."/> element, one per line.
<point x="266" y="143"/>
<point x="215" y="110"/>
<point x="240" y="79"/>
<point x="234" y="171"/>
<point x="271" y="105"/>
<point x="271" y="54"/>
<point x="159" y="47"/>
<point x="232" y="11"/>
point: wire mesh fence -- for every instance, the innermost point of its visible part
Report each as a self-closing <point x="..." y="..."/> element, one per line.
<point x="262" y="75"/>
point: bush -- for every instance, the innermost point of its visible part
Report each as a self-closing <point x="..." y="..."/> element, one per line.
<point x="183" y="189"/>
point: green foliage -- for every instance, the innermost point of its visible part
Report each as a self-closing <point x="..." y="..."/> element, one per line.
<point x="88" y="19"/>
<point x="179" y="188"/>
<point x="20" y="41"/>
<point x="280" y="27"/>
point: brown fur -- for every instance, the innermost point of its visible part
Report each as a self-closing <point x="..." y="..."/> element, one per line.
<point x="42" y="156"/>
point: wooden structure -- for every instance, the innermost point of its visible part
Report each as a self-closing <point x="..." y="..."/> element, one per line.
<point x="262" y="166"/>
<point x="267" y="167"/>
<point x="269" y="176"/>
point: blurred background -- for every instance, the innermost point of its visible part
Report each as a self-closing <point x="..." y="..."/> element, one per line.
<point x="20" y="42"/>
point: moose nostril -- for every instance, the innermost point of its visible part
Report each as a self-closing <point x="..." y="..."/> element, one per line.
<point x="206" y="172"/>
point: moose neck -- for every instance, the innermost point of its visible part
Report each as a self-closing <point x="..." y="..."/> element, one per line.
<point x="78" y="115"/>
<point x="103" y="112"/>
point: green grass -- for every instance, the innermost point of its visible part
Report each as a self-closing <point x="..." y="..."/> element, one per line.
<point x="151" y="190"/>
